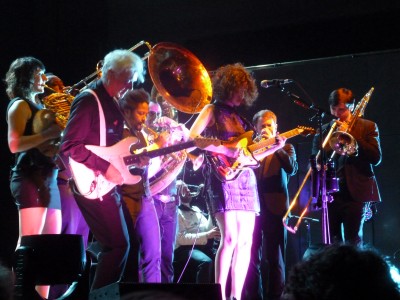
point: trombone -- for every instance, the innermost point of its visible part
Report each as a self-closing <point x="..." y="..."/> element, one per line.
<point x="294" y="201"/>
<point x="178" y="75"/>
<point x="96" y="74"/>
<point x="342" y="143"/>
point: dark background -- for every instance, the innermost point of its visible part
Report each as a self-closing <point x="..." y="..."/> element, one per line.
<point x="321" y="45"/>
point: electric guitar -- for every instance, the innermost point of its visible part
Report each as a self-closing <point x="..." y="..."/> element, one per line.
<point x="93" y="185"/>
<point x="227" y="168"/>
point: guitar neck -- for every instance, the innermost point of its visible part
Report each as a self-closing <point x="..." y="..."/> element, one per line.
<point x="269" y="142"/>
<point x="129" y="160"/>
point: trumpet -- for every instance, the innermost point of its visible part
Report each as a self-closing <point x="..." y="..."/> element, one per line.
<point x="152" y="135"/>
<point x="341" y="143"/>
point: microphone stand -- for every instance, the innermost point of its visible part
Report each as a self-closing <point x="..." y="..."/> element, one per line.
<point x="320" y="113"/>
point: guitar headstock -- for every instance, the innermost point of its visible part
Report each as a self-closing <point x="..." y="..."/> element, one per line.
<point x="306" y="131"/>
<point x="203" y="143"/>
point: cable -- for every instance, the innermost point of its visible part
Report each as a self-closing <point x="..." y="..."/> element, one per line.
<point x="191" y="251"/>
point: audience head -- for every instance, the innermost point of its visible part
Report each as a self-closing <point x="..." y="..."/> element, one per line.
<point x="341" y="272"/>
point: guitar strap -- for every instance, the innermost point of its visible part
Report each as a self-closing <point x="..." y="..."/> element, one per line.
<point x="102" y="127"/>
<point x="101" y="118"/>
<point x="220" y="105"/>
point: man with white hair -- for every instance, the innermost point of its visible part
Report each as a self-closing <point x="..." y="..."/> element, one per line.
<point x="95" y="119"/>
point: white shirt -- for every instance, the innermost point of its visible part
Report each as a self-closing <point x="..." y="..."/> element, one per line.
<point x="193" y="226"/>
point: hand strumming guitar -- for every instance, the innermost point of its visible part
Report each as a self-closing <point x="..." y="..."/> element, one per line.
<point x="113" y="175"/>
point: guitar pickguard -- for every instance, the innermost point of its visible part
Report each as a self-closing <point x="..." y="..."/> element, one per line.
<point x="227" y="168"/>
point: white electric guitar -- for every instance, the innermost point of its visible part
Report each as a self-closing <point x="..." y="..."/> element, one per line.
<point x="93" y="185"/>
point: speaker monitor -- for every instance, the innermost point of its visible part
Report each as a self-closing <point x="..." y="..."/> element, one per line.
<point x="47" y="259"/>
<point x="159" y="291"/>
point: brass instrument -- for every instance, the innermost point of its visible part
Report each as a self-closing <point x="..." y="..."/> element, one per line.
<point x="164" y="169"/>
<point x="195" y="190"/>
<point x="57" y="108"/>
<point x="306" y="177"/>
<point x="342" y="143"/>
<point x="192" y="189"/>
<point x="183" y="82"/>
<point x="180" y="77"/>
<point x="81" y="85"/>
<point x="60" y="105"/>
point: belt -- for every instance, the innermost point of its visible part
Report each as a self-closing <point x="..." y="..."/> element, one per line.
<point x="165" y="198"/>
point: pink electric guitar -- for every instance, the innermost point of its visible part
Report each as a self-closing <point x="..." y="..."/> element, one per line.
<point x="227" y="168"/>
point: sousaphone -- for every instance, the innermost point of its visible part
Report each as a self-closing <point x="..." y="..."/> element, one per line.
<point x="182" y="80"/>
<point x="180" y="77"/>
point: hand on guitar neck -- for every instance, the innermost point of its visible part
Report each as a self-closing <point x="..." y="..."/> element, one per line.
<point x="163" y="139"/>
<point x="279" y="142"/>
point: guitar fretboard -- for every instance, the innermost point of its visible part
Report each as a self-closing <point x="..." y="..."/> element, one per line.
<point x="129" y="160"/>
<point x="269" y="142"/>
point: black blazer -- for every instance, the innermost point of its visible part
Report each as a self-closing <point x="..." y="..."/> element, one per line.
<point x="358" y="169"/>
<point x="272" y="179"/>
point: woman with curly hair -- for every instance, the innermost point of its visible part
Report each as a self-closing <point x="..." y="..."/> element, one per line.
<point x="234" y="203"/>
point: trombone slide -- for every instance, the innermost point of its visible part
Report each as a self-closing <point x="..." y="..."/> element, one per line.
<point x="294" y="201"/>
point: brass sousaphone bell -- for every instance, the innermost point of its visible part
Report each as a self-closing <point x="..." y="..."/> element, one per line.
<point x="179" y="77"/>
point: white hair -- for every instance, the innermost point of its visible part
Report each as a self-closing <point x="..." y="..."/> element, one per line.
<point x="120" y="60"/>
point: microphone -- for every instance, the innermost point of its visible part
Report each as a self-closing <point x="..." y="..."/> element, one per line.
<point x="274" y="82"/>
